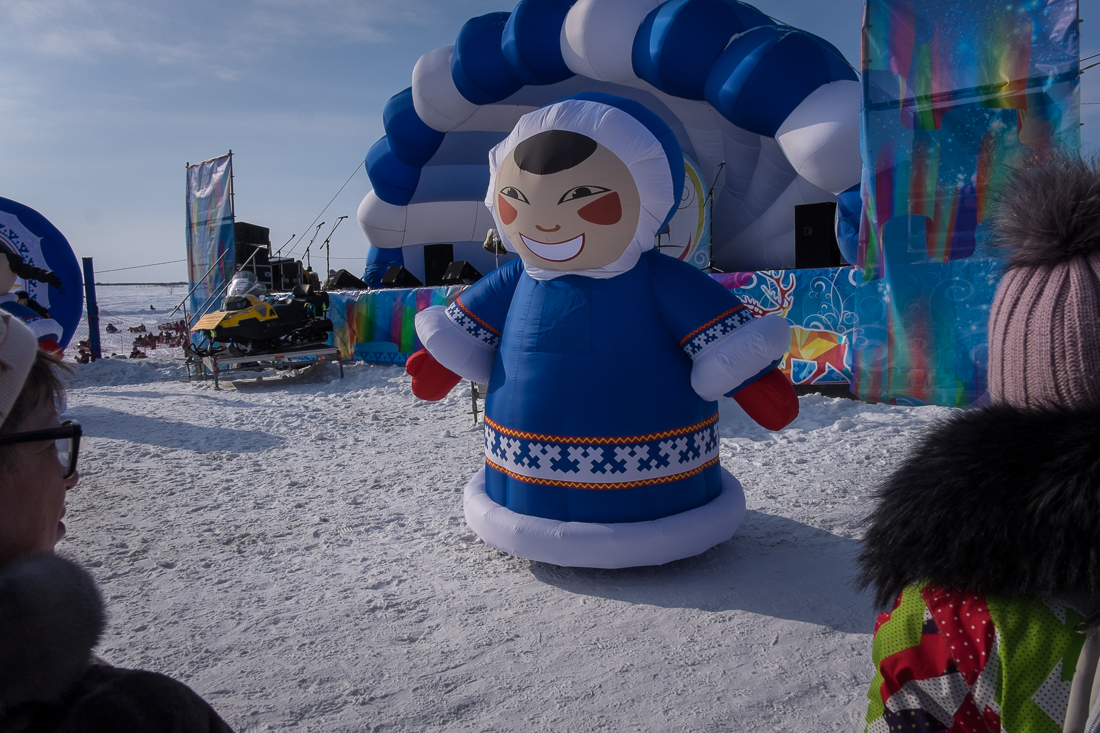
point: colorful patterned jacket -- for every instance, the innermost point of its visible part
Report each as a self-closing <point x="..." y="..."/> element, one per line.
<point x="950" y="660"/>
<point x="981" y="537"/>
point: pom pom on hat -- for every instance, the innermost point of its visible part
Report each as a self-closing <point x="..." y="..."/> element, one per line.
<point x="18" y="347"/>
<point x="1049" y="213"/>
<point x="1044" y="324"/>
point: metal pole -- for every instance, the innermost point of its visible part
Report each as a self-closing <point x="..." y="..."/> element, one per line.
<point x="201" y="311"/>
<point x="328" y="246"/>
<point x="198" y="283"/>
<point x="280" y="250"/>
<point x="707" y="200"/>
<point x="232" y="193"/>
<point x="315" y="233"/>
<point x="93" y="310"/>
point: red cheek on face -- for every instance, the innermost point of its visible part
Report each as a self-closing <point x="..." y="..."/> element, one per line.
<point x="508" y="212"/>
<point x="605" y="210"/>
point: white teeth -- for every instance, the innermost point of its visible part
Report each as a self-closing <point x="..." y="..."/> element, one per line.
<point x="559" y="252"/>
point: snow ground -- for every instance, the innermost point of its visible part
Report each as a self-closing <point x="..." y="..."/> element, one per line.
<point x="294" y="549"/>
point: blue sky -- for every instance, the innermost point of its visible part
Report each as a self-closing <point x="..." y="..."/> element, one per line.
<point x="103" y="102"/>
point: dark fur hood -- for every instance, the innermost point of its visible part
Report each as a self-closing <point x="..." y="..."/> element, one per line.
<point x="994" y="499"/>
<point x="51" y="616"/>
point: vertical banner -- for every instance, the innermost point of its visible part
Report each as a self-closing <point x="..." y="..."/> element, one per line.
<point x="210" y="256"/>
<point x="955" y="93"/>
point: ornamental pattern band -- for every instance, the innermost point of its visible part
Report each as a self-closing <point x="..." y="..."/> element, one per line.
<point x="711" y="333"/>
<point x="602" y="463"/>
<point x="472" y="325"/>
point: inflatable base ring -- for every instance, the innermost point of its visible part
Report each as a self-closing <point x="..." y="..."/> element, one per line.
<point x="594" y="545"/>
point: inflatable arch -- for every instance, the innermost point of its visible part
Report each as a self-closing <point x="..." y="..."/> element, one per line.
<point x="40" y="244"/>
<point x="765" y="111"/>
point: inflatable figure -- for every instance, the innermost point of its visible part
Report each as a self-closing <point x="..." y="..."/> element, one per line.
<point x="604" y="358"/>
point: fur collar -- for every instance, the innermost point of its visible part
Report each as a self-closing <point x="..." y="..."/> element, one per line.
<point x="51" y="616"/>
<point x="994" y="499"/>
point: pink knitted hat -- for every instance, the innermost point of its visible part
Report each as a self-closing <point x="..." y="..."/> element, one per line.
<point x="18" y="347"/>
<point x="1044" y="325"/>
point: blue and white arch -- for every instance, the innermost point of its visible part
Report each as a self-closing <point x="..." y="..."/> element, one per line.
<point x="778" y="106"/>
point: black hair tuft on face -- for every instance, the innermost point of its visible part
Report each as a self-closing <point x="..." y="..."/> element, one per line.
<point x="553" y="151"/>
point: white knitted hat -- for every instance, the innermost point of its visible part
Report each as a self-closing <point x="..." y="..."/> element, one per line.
<point x="18" y="347"/>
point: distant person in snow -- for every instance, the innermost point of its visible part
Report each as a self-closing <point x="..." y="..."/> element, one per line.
<point x="313" y="279"/>
<point x="51" y="614"/>
<point x="987" y="538"/>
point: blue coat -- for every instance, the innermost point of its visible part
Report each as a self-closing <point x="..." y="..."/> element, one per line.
<point x="591" y="415"/>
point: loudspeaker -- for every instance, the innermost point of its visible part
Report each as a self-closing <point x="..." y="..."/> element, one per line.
<point x="245" y="233"/>
<point x="437" y="257"/>
<point x="398" y="277"/>
<point x="286" y="272"/>
<point x="460" y="272"/>
<point x="344" y="280"/>
<point x="254" y="254"/>
<point x="815" y="236"/>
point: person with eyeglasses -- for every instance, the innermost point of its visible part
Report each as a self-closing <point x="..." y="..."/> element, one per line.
<point x="51" y="614"/>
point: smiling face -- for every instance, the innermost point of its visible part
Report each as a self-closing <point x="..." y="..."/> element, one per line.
<point x="566" y="202"/>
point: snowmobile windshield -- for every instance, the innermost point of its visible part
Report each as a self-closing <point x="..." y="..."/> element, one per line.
<point x="245" y="283"/>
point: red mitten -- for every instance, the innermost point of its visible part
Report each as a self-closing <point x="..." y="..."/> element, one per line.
<point x="770" y="401"/>
<point x="431" y="380"/>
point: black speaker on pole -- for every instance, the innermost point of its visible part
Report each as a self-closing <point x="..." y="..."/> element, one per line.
<point x="252" y="245"/>
<point x="815" y="243"/>
<point x="460" y="272"/>
<point x="344" y="280"/>
<point x="398" y="277"/>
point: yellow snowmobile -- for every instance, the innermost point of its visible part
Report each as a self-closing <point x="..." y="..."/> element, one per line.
<point x="251" y="324"/>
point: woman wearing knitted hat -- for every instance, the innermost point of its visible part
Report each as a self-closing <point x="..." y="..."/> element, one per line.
<point x="987" y="538"/>
<point x="51" y="614"/>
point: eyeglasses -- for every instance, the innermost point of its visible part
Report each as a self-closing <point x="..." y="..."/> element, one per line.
<point x="66" y="439"/>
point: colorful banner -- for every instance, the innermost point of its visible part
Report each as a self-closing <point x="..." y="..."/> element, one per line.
<point x="820" y="304"/>
<point x="376" y="326"/>
<point x="687" y="236"/>
<point x="955" y="93"/>
<point x="209" y="230"/>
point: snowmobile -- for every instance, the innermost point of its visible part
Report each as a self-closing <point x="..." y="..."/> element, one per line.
<point x="250" y="323"/>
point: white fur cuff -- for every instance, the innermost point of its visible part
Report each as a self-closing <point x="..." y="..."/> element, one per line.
<point x="740" y="356"/>
<point x="453" y="347"/>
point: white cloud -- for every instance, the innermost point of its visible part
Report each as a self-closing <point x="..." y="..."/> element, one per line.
<point x="217" y="38"/>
